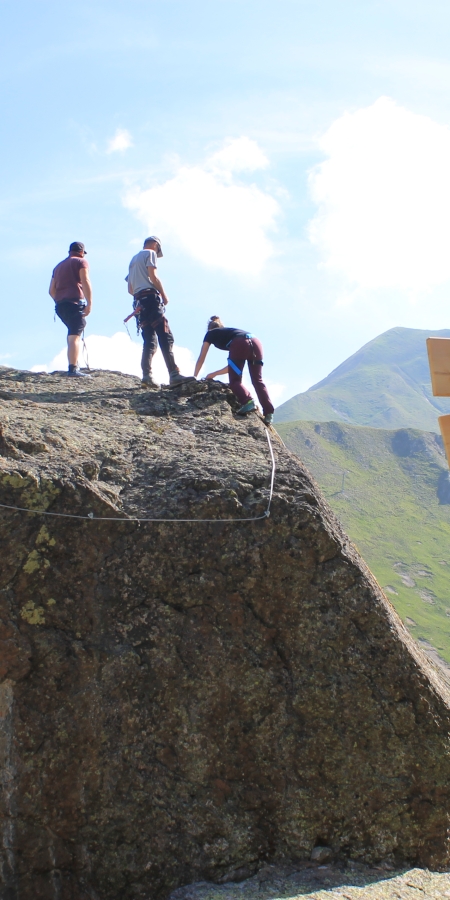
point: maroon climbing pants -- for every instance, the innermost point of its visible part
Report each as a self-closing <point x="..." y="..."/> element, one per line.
<point x="242" y="350"/>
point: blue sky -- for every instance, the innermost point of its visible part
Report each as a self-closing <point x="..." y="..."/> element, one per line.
<point x="291" y="156"/>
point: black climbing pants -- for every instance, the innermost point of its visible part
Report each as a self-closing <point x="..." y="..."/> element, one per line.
<point x="155" y="329"/>
<point x="152" y="335"/>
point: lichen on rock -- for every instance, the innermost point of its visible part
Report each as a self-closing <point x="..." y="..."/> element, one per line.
<point x="32" y="614"/>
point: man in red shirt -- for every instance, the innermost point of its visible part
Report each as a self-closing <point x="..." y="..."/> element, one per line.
<point x="71" y="290"/>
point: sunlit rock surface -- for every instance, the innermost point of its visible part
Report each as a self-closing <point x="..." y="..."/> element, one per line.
<point x="191" y="701"/>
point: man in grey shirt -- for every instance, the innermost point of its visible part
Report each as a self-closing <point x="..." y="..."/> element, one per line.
<point x="149" y="302"/>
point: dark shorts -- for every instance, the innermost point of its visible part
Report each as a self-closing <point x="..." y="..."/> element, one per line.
<point x="71" y="313"/>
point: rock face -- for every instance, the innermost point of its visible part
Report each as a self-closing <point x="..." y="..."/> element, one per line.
<point x="187" y="701"/>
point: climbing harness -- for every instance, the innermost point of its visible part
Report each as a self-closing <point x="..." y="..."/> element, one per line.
<point x="134" y="313"/>
<point x="137" y="308"/>
<point x="247" y="336"/>
<point x="91" y="518"/>
<point x="234" y="367"/>
<point x="251" y="362"/>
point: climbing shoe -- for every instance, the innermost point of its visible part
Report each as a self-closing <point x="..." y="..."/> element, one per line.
<point x="246" y="408"/>
<point x="176" y="379"/>
<point x="268" y="419"/>
<point x="75" y="372"/>
<point x="148" y="382"/>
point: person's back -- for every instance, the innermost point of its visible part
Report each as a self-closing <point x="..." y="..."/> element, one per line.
<point x="138" y="278"/>
<point x="67" y="281"/>
<point x="221" y="337"/>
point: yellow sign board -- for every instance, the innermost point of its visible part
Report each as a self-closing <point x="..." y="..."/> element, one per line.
<point x="444" y="425"/>
<point x="439" y="359"/>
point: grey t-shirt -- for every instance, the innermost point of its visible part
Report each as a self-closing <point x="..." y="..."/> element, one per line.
<point x="137" y="273"/>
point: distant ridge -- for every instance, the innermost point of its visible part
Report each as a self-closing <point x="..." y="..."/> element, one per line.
<point x="391" y="490"/>
<point x="385" y="384"/>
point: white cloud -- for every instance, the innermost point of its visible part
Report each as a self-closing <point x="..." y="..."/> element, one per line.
<point x="384" y="198"/>
<point x="276" y="390"/>
<point x="219" y="221"/>
<point x="121" y="141"/>
<point x="240" y="155"/>
<point x="121" y="354"/>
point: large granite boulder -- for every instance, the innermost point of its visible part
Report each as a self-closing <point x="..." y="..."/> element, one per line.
<point x="185" y="701"/>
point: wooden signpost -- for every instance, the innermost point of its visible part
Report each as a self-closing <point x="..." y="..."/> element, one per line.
<point x="444" y="425"/>
<point x="439" y="360"/>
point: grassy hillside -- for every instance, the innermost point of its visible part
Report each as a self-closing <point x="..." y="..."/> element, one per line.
<point x="386" y="384"/>
<point x="394" y="502"/>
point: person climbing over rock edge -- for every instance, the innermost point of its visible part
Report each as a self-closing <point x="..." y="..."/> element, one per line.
<point x="71" y="290"/>
<point x="242" y="347"/>
<point x="150" y="300"/>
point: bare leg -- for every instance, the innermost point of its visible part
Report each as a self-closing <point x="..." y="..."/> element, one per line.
<point x="73" y="348"/>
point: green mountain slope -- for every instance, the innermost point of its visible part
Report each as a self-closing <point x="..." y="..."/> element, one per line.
<point x="386" y="384"/>
<point x="394" y="502"/>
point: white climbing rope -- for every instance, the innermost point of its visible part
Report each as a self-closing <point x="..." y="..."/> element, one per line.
<point x="91" y="518"/>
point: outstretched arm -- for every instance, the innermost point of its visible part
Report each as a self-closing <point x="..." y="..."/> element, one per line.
<point x="223" y="371"/>
<point x="202" y="357"/>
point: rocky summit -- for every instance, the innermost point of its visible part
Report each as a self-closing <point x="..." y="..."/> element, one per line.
<point x="189" y="701"/>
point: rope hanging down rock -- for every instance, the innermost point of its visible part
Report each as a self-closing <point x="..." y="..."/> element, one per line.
<point x="91" y="518"/>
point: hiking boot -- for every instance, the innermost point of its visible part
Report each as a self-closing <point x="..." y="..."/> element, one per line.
<point x="75" y="372"/>
<point x="176" y="378"/>
<point x="246" y="408"/>
<point x="148" y="382"/>
<point x="268" y="419"/>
